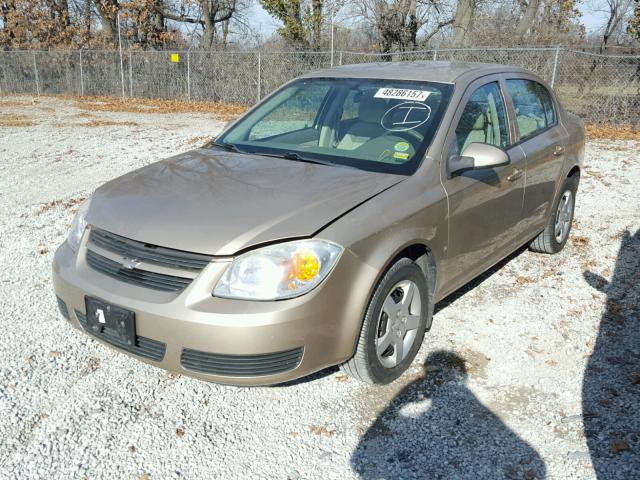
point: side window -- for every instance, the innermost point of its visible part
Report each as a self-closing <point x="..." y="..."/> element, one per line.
<point x="484" y="119"/>
<point x="547" y="103"/>
<point x="533" y="105"/>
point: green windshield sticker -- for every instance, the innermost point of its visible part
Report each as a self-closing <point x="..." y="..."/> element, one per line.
<point x="402" y="146"/>
<point x="400" y="155"/>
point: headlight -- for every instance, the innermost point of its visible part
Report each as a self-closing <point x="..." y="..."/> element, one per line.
<point x="279" y="271"/>
<point x="78" y="225"/>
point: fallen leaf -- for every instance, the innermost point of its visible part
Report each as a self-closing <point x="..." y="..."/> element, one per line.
<point x="179" y="432"/>
<point x="523" y="280"/>
<point x="131" y="449"/>
<point x="619" y="445"/>
<point x="322" y="430"/>
<point x="54" y="354"/>
<point x="579" y="241"/>
<point x="342" y="378"/>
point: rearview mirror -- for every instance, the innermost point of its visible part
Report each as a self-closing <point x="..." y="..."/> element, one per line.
<point x="477" y="155"/>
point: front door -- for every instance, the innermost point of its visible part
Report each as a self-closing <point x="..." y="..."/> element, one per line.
<point x="485" y="205"/>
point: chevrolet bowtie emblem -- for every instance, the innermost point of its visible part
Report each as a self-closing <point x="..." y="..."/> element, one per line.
<point x="130" y="263"/>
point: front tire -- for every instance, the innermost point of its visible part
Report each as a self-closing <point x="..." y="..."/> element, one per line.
<point x="555" y="235"/>
<point x="393" y="327"/>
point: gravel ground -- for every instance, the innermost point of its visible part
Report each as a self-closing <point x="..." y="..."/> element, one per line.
<point x="517" y="367"/>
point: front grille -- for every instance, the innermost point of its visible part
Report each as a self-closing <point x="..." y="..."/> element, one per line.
<point x="142" y="278"/>
<point x="144" y="347"/>
<point x="241" y="365"/>
<point x="166" y="257"/>
<point x="62" y="307"/>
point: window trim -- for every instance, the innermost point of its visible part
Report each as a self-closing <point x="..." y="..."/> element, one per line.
<point x="521" y="140"/>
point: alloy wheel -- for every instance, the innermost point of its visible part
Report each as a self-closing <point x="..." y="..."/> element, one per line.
<point x="563" y="216"/>
<point x="398" y="323"/>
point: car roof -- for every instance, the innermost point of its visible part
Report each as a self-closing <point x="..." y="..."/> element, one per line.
<point x="443" y="72"/>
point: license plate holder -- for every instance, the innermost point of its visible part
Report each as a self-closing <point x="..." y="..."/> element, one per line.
<point x="104" y="319"/>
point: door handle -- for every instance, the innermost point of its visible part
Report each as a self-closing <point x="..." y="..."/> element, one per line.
<point x="558" y="151"/>
<point x="515" y="175"/>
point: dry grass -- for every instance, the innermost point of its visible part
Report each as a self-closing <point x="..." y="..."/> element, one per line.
<point x="225" y="111"/>
<point x="66" y="204"/>
<point x="607" y="131"/>
<point x="108" y="123"/>
<point x="15" y="120"/>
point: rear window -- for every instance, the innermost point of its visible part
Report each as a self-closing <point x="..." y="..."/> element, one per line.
<point x="533" y="106"/>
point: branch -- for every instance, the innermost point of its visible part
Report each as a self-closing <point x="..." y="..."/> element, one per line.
<point x="440" y="26"/>
<point x="178" y="18"/>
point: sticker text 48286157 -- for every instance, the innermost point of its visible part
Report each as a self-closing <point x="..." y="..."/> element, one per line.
<point x="402" y="94"/>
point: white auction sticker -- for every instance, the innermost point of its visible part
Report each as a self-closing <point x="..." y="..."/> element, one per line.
<point x="402" y="94"/>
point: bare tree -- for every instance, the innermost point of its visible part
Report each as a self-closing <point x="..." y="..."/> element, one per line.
<point x="397" y="23"/>
<point x="617" y="13"/>
<point x="207" y="14"/>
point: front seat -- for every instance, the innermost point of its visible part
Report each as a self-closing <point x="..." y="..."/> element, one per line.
<point x="366" y="126"/>
<point x="472" y="127"/>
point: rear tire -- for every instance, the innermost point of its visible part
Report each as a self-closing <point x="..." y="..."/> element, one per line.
<point x="555" y="235"/>
<point x="393" y="327"/>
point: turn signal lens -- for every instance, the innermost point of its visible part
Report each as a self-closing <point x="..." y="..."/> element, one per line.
<point x="305" y="265"/>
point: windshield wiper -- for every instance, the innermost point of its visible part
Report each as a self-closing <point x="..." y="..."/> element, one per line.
<point x="297" y="157"/>
<point x="229" y="147"/>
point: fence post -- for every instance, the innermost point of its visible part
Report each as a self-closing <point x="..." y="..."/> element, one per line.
<point x="259" y="75"/>
<point x="435" y="54"/>
<point x="189" y="74"/>
<point x="35" y="69"/>
<point x="120" y="50"/>
<point x="555" y="67"/>
<point x="340" y="58"/>
<point x="81" y="76"/>
<point x="130" y="73"/>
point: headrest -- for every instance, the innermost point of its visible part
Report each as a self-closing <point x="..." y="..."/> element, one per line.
<point x="473" y="117"/>
<point x="371" y="109"/>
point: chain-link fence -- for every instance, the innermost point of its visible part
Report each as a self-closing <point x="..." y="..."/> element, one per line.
<point x="599" y="88"/>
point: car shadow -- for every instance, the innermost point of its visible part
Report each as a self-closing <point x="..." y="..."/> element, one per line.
<point x="437" y="428"/>
<point x="611" y="386"/>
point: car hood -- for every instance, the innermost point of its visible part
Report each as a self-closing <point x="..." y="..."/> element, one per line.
<point x="219" y="203"/>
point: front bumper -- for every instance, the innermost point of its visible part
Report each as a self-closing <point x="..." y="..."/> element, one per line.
<point x="306" y="334"/>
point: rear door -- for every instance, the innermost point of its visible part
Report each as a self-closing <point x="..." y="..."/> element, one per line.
<point x="485" y="205"/>
<point x="543" y="141"/>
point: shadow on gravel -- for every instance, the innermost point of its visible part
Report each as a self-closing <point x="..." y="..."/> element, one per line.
<point x="436" y="428"/>
<point x="611" y="386"/>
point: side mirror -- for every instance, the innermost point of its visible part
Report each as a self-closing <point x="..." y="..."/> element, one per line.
<point x="477" y="155"/>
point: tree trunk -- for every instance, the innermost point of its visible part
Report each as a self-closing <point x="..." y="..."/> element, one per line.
<point x="108" y="10"/>
<point x="316" y="23"/>
<point x="528" y="19"/>
<point x="462" y="21"/>
<point x="87" y="18"/>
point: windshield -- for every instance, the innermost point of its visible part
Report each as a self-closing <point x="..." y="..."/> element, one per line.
<point x="376" y="125"/>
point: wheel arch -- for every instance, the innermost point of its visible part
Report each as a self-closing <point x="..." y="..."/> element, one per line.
<point x="574" y="172"/>
<point x="422" y="254"/>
